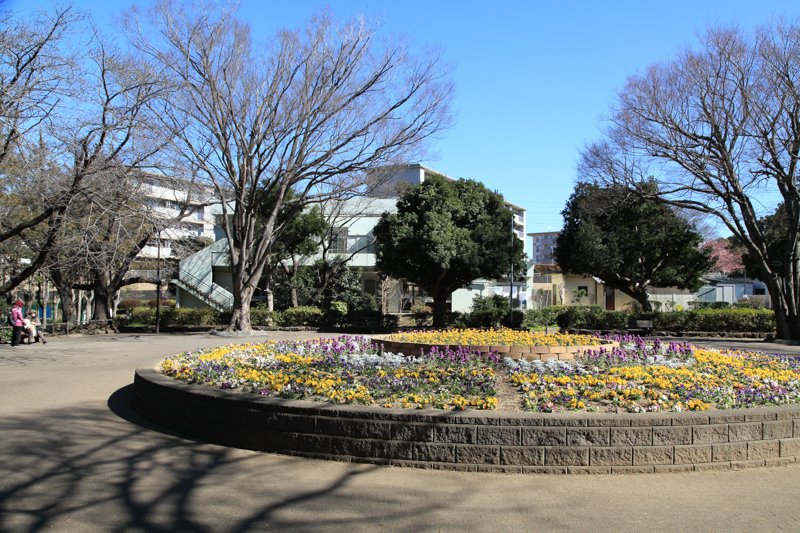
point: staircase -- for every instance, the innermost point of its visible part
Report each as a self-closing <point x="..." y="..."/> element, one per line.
<point x="195" y="276"/>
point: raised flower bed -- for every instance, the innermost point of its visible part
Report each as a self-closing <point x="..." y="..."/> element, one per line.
<point x="523" y="345"/>
<point x="418" y="415"/>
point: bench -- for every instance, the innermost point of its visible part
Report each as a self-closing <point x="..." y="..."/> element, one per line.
<point x="640" y="326"/>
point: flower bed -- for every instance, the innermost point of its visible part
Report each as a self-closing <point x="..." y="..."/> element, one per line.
<point x="344" y="370"/>
<point x="630" y="376"/>
<point x="515" y="344"/>
<point x="645" y="377"/>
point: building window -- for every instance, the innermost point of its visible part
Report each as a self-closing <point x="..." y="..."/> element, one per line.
<point x="542" y="278"/>
<point x="759" y="291"/>
<point x="339" y="241"/>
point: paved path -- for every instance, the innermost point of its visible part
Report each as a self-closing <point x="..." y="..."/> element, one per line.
<point x="73" y="457"/>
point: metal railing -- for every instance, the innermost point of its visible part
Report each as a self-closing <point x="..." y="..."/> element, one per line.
<point x="212" y="293"/>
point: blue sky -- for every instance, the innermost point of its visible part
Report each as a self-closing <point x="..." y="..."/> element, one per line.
<point x="534" y="80"/>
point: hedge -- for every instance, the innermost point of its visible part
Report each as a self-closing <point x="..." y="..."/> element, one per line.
<point x="743" y="320"/>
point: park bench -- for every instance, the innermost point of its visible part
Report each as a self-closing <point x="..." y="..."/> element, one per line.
<point x="644" y="327"/>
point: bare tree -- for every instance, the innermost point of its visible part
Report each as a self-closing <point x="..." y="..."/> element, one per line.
<point x="311" y="112"/>
<point x="718" y="129"/>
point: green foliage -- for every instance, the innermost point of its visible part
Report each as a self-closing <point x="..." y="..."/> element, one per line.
<point x="301" y="316"/>
<point x="421" y="314"/>
<point x="446" y="234"/>
<point x="591" y="317"/>
<point x="261" y="316"/>
<point x="537" y="318"/>
<point x="489" y="311"/>
<point x="336" y="313"/>
<point x="775" y="228"/>
<point x="186" y="316"/>
<point x="629" y="242"/>
<point x="124" y="305"/>
<point x="141" y="316"/>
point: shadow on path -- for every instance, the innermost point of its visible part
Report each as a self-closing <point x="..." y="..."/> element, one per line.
<point x="86" y="469"/>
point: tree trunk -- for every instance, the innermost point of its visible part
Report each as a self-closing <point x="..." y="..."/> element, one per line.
<point x="293" y="296"/>
<point x="439" y="307"/>
<point x="102" y="301"/>
<point x="240" y="315"/>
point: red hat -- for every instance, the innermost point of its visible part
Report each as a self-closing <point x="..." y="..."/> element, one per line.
<point x="18" y="303"/>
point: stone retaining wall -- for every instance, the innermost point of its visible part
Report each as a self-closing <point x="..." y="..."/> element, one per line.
<point x="476" y="440"/>
<point x="515" y="352"/>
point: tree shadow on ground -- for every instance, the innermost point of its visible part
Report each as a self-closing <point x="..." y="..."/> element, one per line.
<point x="85" y="468"/>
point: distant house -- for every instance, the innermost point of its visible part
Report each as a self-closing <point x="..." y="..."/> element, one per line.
<point x="551" y="286"/>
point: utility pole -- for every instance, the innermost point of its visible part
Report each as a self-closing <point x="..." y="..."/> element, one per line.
<point x="158" y="284"/>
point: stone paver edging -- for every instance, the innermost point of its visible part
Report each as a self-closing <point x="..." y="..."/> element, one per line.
<point x="515" y="352"/>
<point x="475" y="440"/>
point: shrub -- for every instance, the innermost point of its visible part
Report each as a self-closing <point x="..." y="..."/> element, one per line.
<point x="741" y="319"/>
<point x="141" y="316"/>
<point x="489" y="311"/>
<point x="129" y="304"/>
<point x="304" y="315"/>
<point x="261" y="316"/>
<point x="709" y="305"/>
<point x="165" y="302"/>
<point x="336" y="313"/>
<point x="188" y="316"/>
<point x="590" y="317"/>
<point x="546" y="316"/>
<point x="422" y="314"/>
<point x="671" y="321"/>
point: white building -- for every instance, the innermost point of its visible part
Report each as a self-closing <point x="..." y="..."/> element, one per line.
<point x="203" y="279"/>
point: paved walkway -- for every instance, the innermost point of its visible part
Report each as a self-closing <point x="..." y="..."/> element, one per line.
<point x="73" y="457"/>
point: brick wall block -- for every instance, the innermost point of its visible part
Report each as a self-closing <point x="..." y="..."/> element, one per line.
<point x="729" y="451"/>
<point x="437" y="453"/>
<point x="502" y="436"/>
<point x="611" y="456"/>
<point x="587" y="436"/>
<point x="666" y="435"/>
<point x="709" y="434"/>
<point x="653" y="455"/>
<point x="543" y="436"/>
<point x="343" y="427"/>
<point x="746" y="431"/>
<point x="641" y="436"/>
<point x="412" y="432"/>
<point x="478" y="454"/>
<point x="790" y="447"/>
<point x="393" y="449"/>
<point x="695" y="453"/>
<point x="765" y="449"/>
<point x="455" y="434"/>
<point x="521" y="455"/>
<point x="566" y="456"/>
<point x="779" y="429"/>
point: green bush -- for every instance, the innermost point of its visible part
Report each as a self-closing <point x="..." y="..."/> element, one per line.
<point x="591" y="317"/>
<point x="304" y="315"/>
<point x="335" y="314"/>
<point x="187" y="316"/>
<point x="741" y="319"/>
<point x="671" y="321"/>
<point x="546" y="316"/>
<point x="125" y="305"/>
<point x="261" y="316"/>
<point x="489" y="311"/>
<point x="141" y="316"/>
<point x="422" y="314"/>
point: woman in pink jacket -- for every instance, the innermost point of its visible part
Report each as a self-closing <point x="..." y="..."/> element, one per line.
<point x="16" y="323"/>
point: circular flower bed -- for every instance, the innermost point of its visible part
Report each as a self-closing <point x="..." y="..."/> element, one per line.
<point x="344" y="370"/>
<point x="636" y="376"/>
<point x="494" y="337"/>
